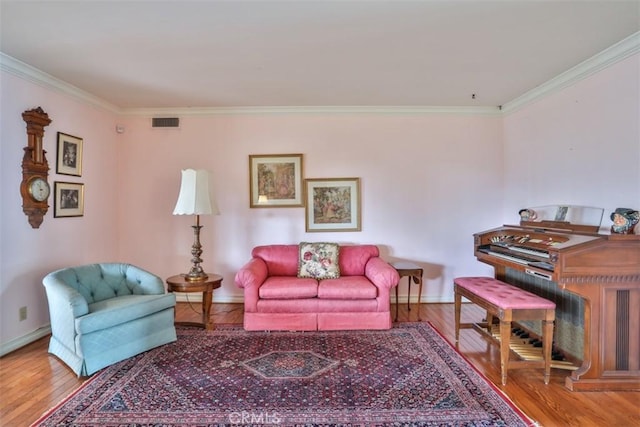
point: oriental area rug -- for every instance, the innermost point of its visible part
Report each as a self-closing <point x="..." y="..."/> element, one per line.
<point x="407" y="376"/>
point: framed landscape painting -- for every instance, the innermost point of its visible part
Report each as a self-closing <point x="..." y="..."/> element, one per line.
<point x="68" y="199"/>
<point x="275" y="180"/>
<point x="332" y="204"/>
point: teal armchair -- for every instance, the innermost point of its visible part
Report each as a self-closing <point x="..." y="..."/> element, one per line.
<point x="104" y="313"/>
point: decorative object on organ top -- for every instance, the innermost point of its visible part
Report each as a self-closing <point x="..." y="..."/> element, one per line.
<point x="624" y="220"/>
<point x="34" y="188"/>
<point x="194" y="199"/>
<point x="527" y="215"/>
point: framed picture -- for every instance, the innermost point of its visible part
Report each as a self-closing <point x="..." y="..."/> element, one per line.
<point x="68" y="199"/>
<point x="69" y="160"/>
<point x="332" y="204"/>
<point x="561" y="213"/>
<point x="275" y="180"/>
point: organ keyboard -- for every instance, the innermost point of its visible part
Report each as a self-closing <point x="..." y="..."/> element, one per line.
<point x="594" y="280"/>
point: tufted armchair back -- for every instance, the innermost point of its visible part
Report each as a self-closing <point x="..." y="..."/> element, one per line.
<point x="98" y="282"/>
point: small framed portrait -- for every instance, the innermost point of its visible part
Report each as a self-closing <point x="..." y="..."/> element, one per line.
<point x="332" y="204"/>
<point x="68" y="199"/>
<point x="561" y="213"/>
<point x="69" y="159"/>
<point x="275" y="180"/>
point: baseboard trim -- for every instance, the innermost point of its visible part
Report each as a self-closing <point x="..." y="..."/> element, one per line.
<point x="197" y="297"/>
<point x="239" y="299"/>
<point x="402" y="299"/>
<point x="16" y="343"/>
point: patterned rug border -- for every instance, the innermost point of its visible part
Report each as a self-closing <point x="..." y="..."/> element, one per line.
<point x="238" y="326"/>
<point x="532" y="422"/>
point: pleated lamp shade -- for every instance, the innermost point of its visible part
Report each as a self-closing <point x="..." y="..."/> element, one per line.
<point x="194" y="197"/>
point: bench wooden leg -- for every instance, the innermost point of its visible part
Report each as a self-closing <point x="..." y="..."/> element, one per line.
<point x="457" y="300"/>
<point x="547" y="340"/>
<point x="489" y="322"/>
<point x="505" y="348"/>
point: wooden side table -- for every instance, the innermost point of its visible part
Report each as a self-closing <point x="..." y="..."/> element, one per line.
<point x="414" y="273"/>
<point x="180" y="284"/>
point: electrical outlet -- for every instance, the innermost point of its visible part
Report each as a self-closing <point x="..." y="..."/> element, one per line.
<point x="22" y="313"/>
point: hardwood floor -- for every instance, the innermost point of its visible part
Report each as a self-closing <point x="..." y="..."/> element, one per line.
<point x="32" y="381"/>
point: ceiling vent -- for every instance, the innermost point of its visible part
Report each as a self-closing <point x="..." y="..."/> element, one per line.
<point x="165" y="122"/>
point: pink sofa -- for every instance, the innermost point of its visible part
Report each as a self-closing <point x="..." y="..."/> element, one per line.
<point x="276" y="299"/>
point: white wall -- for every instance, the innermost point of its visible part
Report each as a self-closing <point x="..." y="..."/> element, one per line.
<point x="428" y="183"/>
<point x="580" y="146"/>
<point x="28" y="254"/>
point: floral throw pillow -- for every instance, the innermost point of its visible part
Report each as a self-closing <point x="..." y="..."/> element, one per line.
<point x="318" y="260"/>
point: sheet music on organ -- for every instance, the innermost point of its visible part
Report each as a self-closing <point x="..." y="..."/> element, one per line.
<point x="563" y="217"/>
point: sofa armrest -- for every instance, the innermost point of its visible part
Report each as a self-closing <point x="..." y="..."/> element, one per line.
<point x="250" y="277"/>
<point x="65" y="305"/>
<point x="381" y="273"/>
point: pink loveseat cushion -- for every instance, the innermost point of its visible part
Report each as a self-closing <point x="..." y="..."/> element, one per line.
<point x="286" y="287"/>
<point x="347" y="287"/>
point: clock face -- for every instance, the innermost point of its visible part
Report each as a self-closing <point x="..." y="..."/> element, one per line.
<point x="39" y="189"/>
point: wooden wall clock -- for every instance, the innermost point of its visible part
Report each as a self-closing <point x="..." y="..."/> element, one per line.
<point x="35" y="188"/>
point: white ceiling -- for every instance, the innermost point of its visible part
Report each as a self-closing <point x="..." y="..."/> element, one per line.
<point x="175" y="54"/>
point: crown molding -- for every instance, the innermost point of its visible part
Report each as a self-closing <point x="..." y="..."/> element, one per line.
<point x="616" y="53"/>
<point x="205" y="111"/>
<point x="40" y="78"/>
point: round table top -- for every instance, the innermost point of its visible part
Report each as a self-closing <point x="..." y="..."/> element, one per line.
<point x="405" y="265"/>
<point x="181" y="284"/>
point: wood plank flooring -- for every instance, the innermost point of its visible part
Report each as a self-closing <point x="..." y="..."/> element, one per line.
<point x="32" y="381"/>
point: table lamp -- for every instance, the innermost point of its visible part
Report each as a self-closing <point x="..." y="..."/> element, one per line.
<point x="194" y="199"/>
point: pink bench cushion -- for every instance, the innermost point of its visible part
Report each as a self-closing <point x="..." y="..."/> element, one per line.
<point x="502" y="294"/>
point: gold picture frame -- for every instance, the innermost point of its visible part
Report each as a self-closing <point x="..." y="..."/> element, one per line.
<point x="69" y="156"/>
<point x="275" y="180"/>
<point x="68" y="199"/>
<point x="332" y="204"/>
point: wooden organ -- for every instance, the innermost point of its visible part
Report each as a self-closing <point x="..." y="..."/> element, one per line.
<point x="593" y="278"/>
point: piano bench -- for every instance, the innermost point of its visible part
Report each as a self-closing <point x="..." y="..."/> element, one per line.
<point x="508" y="303"/>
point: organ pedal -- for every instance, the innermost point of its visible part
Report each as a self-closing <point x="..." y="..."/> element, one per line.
<point x="526" y="348"/>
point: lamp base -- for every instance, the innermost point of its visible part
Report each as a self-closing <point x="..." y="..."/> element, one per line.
<point x="196" y="274"/>
<point x="196" y="277"/>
